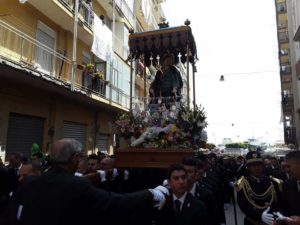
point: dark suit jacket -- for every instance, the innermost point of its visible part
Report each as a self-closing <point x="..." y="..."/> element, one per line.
<point x="193" y="213"/>
<point x="207" y="197"/>
<point x="60" y="198"/>
<point x="290" y="198"/>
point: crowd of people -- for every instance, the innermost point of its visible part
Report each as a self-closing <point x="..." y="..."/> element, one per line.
<point x="69" y="187"/>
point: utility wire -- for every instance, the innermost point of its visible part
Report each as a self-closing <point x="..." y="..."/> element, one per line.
<point x="235" y="74"/>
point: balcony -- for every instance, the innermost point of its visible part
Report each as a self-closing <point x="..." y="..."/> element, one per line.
<point x="290" y="135"/>
<point x="281" y="7"/>
<point x="287" y="101"/>
<point x="85" y="12"/>
<point x="120" y="48"/>
<point x="62" y="13"/>
<point x="123" y="11"/>
<point x="285" y="69"/>
<point x="282" y="25"/>
<point x="126" y="11"/>
<point x="283" y="37"/>
<point x="25" y="52"/>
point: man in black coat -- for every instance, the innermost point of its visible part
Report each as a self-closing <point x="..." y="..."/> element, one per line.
<point x="200" y="193"/>
<point x="181" y="208"/>
<point x="58" y="197"/>
<point x="291" y="190"/>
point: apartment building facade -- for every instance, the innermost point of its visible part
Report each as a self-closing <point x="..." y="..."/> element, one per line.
<point x="46" y="92"/>
<point x="288" y="51"/>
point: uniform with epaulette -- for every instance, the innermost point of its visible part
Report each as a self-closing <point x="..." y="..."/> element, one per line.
<point x="256" y="194"/>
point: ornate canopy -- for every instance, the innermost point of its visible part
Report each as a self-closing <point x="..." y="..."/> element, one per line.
<point x="173" y="40"/>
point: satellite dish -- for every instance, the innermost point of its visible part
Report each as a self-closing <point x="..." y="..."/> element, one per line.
<point x="22" y="1"/>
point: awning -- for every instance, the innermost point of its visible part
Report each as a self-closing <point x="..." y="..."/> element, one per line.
<point x="173" y="40"/>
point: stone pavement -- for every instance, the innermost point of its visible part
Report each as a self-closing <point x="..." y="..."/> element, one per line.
<point x="230" y="215"/>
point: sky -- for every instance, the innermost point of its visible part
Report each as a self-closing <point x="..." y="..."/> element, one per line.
<point x="237" y="39"/>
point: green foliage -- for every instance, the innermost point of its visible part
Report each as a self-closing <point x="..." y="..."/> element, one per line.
<point x="210" y="146"/>
<point x="237" y="145"/>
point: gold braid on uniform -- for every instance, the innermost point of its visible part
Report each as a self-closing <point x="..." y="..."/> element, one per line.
<point x="243" y="184"/>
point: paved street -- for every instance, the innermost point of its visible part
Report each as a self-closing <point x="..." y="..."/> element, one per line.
<point x="230" y="216"/>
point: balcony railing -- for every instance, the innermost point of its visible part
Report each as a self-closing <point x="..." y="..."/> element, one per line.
<point x="283" y="37"/>
<point x="285" y="69"/>
<point x="290" y="135"/>
<point x="85" y="11"/>
<point x="287" y="100"/>
<point x="120" y="48"/>
<point x="127" y="12"/>
<point x="281" y="7"/>
<point x="22" y="49"/>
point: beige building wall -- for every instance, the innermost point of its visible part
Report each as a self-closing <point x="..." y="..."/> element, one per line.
<point x="55" y="110"/>
<point x="22" y="98"/>
<point x="293" y="22"/>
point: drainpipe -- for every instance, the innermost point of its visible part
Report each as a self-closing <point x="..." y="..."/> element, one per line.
<point x="112" y="51"/>
<point x="74" y="44"/>
<point x="96" y="131"/>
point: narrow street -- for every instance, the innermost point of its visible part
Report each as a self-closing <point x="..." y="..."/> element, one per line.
<point x="230" y="215"/>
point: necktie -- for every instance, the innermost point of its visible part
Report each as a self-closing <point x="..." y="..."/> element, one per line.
<point x="177" y="206"/>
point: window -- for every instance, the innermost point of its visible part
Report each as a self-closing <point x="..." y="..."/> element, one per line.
<point x="86" y="57"/>
<point x="284" y="52"/>
<point x="281" y="7"/>
<point x="115" y="76"/>
<point x="101" y="66"/>
<point x="44" y="59"/>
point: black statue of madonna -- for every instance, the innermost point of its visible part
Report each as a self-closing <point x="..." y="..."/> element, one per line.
<point x="167" y="83"/>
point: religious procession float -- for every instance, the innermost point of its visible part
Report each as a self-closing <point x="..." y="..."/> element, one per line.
<point x="162" y="126"/>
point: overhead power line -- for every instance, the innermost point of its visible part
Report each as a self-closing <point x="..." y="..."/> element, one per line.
<point x="237" y="74"/>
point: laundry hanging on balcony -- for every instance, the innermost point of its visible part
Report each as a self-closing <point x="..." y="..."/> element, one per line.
<point x="102" y="42"/>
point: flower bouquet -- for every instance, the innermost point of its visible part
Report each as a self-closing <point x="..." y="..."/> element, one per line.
<point x="176" y="127"/>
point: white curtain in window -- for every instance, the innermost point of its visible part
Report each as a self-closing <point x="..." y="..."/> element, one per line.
<point x="44" y="59"/>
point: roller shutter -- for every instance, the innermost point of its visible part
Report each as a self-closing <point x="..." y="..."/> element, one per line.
<point x="102" y="142"/>
<point x="75" y="130"/>
<point x="22" y="132"/>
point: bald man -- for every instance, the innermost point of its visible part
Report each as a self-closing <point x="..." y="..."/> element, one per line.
<point x="58" y="197"/>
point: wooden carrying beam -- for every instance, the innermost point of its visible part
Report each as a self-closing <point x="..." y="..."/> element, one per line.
<point x="150" y="157"/>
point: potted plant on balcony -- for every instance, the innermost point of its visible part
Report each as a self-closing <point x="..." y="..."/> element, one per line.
<point x="87" y="76"/>
<point x="89" y="68"/>
<point x="99" y="83"/>
<point x="99" y="75"/>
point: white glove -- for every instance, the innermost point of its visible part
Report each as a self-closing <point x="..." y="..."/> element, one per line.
<point x="165" y="183"/>
<point x="159" y="196"/>
<point x="281" y="217"/>
<point x="115" y="174"/>
<point x="78" y="174"/>
<point x="267" y="217"/>
<point x="162" y="189"/>
<point x="102" y="175"/>
<point x="126" y="174"/>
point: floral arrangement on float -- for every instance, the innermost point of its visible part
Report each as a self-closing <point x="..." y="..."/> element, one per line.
<point x="157" y="126"/>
